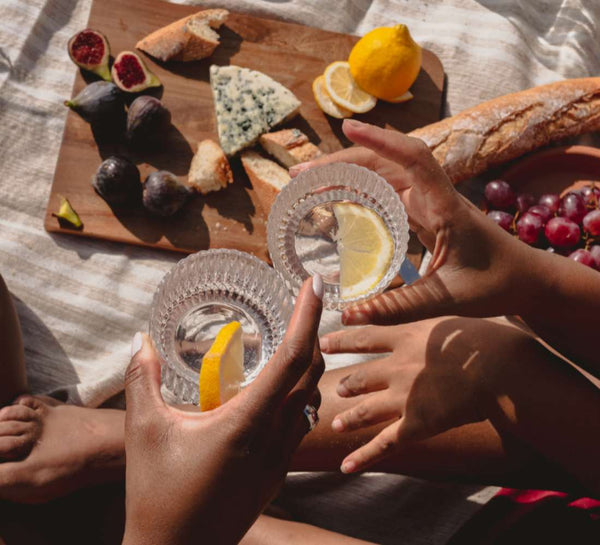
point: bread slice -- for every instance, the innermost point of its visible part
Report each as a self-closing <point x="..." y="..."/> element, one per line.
<point x="188" y="39"/>
<point x="289" y="146"/>
<point x="210" y="170"/>
<point x="267" y="177"/>
<point x="248" y="104"/>
<point x="509" y="126"/>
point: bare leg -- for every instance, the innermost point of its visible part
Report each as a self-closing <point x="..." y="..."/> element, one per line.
<point x="273" y="531"/>
<point x="13" y="381"/>
<point x="48" y="449"/>
<point x="496" y="451"/>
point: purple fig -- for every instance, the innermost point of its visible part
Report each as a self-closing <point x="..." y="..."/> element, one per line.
<point x="131" y="74"/>
<point x="89" y="50"/>
<point x="164" y="193"/>
<point x="117" y="181"/>
<point x="100" y="102"/>
<point x="147" y="120"/>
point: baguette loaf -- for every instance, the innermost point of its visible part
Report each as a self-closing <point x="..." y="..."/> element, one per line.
<point x="189" y="39"/>
<point x="267" y="177"/>
<point x="509" y="126"/>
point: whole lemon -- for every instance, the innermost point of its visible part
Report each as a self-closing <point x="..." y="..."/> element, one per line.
<point x="385" y="62"/>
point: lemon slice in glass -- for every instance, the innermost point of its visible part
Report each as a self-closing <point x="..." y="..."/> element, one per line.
<point x="222" y="371"/>
<point x="344" y="91"/>
<point x="365" y="247"/>
<point x="325" y="102"/>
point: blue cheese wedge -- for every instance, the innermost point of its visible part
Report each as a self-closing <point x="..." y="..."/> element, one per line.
<point x="248" y="104"/>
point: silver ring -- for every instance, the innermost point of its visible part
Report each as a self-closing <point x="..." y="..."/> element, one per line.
<point x="312" y="416"/>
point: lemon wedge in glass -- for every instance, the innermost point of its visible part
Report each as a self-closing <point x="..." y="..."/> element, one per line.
<point x="344" y="91"/>
<point x="365" y="248"/>
<point x="222" y="371"/>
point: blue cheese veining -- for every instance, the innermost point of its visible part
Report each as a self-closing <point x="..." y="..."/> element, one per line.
<point x="248" y="104"/>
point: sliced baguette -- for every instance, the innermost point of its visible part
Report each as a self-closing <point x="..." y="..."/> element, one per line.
<point x="189" y="39"/>
<point x="509" y="126"/>
<point x="267" y="177"/>
<point x="210" y="170"/>
<point x="289" y="146"/>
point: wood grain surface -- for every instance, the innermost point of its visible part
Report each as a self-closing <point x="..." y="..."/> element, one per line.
<point x="291" y="54"/>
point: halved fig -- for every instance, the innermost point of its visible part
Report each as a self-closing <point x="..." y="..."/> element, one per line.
<point x="131" y="74"/>
<point x="89" y="50"/>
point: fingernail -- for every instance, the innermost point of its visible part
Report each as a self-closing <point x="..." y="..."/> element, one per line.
<point x="337" y="425"/>
<point x="324" y="344"/>
<point x="341" y="390"/>
<point x="354" y="318"/>
<point x="354" y="123"/>
<point x="317" y="284"/>
<point x="348" y="467"/>
<point x="136" y="343"/>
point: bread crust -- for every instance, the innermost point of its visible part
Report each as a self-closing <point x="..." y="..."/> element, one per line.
<point x="176" y="42"/>
<point x="509" y="126"/>
<point x="265" y="191"/>
<point x="289" y="146"/>
<point x="209" y="170"/>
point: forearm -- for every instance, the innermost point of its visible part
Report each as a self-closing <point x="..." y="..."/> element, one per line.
<point x="564" y="307"/>
<point x="272" y="531"/>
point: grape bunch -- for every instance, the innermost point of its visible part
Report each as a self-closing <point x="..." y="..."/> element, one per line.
<point x="568" y="225"/>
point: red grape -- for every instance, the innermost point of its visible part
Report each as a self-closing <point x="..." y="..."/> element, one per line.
<point x="562" y="232"/>
<point x="524" y="202"/>
<point x="582" y="256"/>
<point x="529" y="228"/>
<point x="500" y="195"/>
<point x="591" y="223"/>
<point x="591" y="196"/>
<point x="595" y="253"/>
<point x="551" y="200"/>
<point x="572" y="207"/>
<point x="503" y="219"/>
<point x="542" y="211"/>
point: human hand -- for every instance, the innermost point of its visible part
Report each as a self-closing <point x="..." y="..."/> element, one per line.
<point x="205" y="477"/>
<point x="477" y="269"/>
<point x="435" y="375"/>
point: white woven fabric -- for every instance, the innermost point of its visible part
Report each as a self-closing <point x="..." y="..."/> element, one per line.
<point x="80" y="300"/>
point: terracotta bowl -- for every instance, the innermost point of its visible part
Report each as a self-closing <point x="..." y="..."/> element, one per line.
<point x="555" y="170"/>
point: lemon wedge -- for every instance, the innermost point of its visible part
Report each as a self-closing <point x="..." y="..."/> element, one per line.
<point x="324" y="100"/>
<point x="222" y="371"/>
<point x="344" y="91"/>
<point x="402" y="98"/>
<point x="365" y="247"/>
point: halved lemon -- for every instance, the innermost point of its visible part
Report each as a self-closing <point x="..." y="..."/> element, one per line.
<point x="344" y="91"/>
<point x="324" y="100"/>
<point x="222" y="371"/>
<point x="365" y="247"/>
<point x="402" y="98"/>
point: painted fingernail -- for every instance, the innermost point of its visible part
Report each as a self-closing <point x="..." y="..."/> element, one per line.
<point x="337" y="425"/>
<point x="355" y="318"/>
<point x="136" y="343"/>
<point x="317" y="284"/>
<point x="348" y="467"/>
<point x="324" y="344"/>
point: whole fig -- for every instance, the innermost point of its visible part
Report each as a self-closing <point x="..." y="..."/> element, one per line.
<point x="99" y="103"/>
<point x="147" y="121"/>
<point x="164" y="194"/>
<point x="117" y="181"/>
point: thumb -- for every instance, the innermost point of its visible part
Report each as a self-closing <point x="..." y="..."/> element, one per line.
<point x="142" y="379"/>
<point x="426" y="298"/>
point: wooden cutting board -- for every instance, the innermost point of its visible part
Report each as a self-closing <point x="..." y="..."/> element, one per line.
<point x="291" y="54"/>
